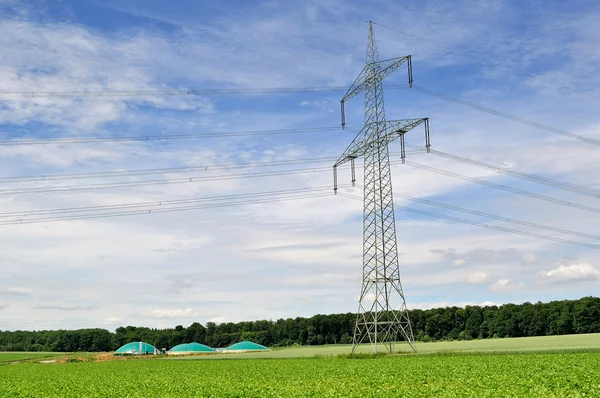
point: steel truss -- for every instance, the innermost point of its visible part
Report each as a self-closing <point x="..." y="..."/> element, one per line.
<point x="382" y="316"/>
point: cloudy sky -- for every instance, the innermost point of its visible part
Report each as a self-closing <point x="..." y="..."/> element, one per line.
<point x="300" y="256"/>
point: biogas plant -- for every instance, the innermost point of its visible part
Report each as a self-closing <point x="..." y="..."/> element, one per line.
<point x="142" y="348"/>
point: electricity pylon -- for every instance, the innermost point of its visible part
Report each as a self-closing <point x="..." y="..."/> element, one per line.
<point x="382" y="314"/>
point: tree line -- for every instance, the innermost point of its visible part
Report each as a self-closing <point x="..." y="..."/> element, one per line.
<point x="450" y="323"/>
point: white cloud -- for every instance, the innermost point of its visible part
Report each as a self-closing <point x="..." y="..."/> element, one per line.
<point x="168" y="313"/>
<point x="570" y="273"/>
<point x="529" y="259"/>
<point x="112" y="320"/>
<point x="478" y="277"/>
<point x="16" y="291"/>
<point x="504" y="284"/>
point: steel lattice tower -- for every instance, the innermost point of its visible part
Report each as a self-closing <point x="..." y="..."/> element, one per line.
<point x="382" y="315"/>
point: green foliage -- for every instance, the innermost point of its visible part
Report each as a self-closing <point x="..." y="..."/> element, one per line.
<point x="449" y="375"/>
<point x="439" y="324"/>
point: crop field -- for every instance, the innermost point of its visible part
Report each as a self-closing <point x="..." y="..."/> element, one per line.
<point x="19" y="356"/>
<point x="533" y="367"/>
<point x="566" y="342"/>
<point x="547" y="374"/>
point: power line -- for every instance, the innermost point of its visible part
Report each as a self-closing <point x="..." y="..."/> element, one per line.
<point x="488" y="226"/>
<point x="166" y="203"/>
<point x="530" y="76"/>
<point x="128" y="184"/>
<point x="173" y="92"/>
<point x="282" y="173"/>
<point x="504" y="187"/>
<point x="500" y="218"/>
<point x="505" y="115"/>
<point x="180" y="180"/>
<point x="139" y="172"/>
<point x="55" y="141"/>
<point x="579" y="189"/>
<point x="164" y="210"/>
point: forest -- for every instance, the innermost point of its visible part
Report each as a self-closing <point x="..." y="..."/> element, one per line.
<point x="451" y="323"/>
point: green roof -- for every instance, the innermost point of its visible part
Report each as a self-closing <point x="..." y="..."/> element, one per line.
<point x="247" y="346"/>
<point x="136" y="348"/>
<point x="191" y="347"/>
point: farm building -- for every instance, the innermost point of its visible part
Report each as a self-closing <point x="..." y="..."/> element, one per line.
<point x="191" y="348"/>
<point x="245" y="346"/>
<point x="137" y="348"/>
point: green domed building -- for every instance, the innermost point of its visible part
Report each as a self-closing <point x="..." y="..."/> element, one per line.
<point x="246" y="346"/>
<point x="137" y="348"/>
<point x="190" y="348"/>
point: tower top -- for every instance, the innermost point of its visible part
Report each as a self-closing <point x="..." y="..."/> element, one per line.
<point x="372" y="55"/>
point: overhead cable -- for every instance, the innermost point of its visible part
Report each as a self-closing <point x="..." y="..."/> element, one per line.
<point x="168" y="181"/>
<point x="171" y="170"/>
<point x="488" y="226"/>
<point x="80" y="140"/>
<point x="164" y="210"/>
<point x="578" y="189"/>
<point x="493" y="216"/>
<point x="174" y="92"/>
<point x="507" y="116"/>
<point x="488" y="62"/>
<point x="164" y="203"/>
<point x="503" y="187"/>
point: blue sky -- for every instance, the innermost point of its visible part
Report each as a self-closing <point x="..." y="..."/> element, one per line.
<point x="301" y="257"/>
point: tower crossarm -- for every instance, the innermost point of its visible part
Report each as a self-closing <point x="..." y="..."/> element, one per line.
<point x="392" y="130"/>
<point x="373" y="73"/>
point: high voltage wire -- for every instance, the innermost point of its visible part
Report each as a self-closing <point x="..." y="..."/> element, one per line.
<point x="184" y="180"/>
<point x="488" y="215"/>
<point x="530" y="76"/>
<point x="500" y="218"/>
<point x="163" y="210"/>
<point x="164" y="204"/>
<point x="259" y="197"/>
<point x="287" y="172"/>
<point x="159" y="92"/>
<point x="197" y="179"/>
<point x="55" y="141"/>
<point x="181" y="180"/>
<point x="132" y="173"/>
<point x="488" y="226"/>
<point x="578" y="189"/>
<point x="507" y="116"/>
<point x="503" y="187"/>
<point x="94" y="212"/>
<point x="174" y="92"/>
<point x="422" y="89"/>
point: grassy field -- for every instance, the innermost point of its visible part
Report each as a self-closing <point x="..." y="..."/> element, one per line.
<point x="436" y="375"/>
<point x="560" y="366"/>
<point x="19" y="356"/>
<point x="570" y="342"/>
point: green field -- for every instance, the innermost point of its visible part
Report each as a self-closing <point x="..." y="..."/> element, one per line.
<point x="570" y="342"/>
<point x="561" y="366"/>
<point x="19" y="356"/>
<point x="437" y="375"/>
